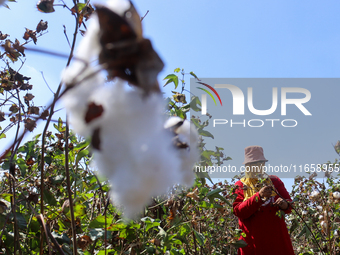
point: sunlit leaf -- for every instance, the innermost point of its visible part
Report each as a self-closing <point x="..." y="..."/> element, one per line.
<point x="171" y="78"/>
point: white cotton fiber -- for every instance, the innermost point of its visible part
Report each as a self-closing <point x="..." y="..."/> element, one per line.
<point x="188" y="134"/>
<point x="136" y="153"/>
<point x="133" y="151"/>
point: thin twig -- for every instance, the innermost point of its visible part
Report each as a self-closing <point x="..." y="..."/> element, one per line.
<point x="68" y="41"/>
<point x="69" y="191"/>
<point x="141" y="19"/>
<point x="42" y="74"/>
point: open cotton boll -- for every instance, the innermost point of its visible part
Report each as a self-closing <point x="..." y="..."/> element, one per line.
<point x="136" y="153"/>
<point x="188" y="134"/>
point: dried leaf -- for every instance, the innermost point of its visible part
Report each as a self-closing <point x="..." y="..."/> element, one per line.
<point x="33" y="110"/>
<point x="3" y="36"/>
<point x="10" y="52"/>
<point x="83" y="242"/>
<point x="14" y="108"/>
<point x="179" y="98"/>
<point x="26" y="86"/>
<point x="2" y="116"/>
<point x="33" y="197"/>
<point x="41" y="26"/>
<point x="30" y="34"/>
<point x="30" y="124"/>
<point x="17" y="76"/>
<point x="45" y="6"/>
<point x="30" y="162"/>
<point x="27" y="34"/>
<point x="28" y="97"/>
<point x="19" y="47"/>
<point x="45" y="114"/>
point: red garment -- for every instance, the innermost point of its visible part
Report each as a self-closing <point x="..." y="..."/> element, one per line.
<point x="266" y="233"/>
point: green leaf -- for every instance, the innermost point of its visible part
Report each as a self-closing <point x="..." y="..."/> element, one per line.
<point x="207" y="154"/>
<point x="200" y="237"/>
<point x="82" y="145"/>
<point x="79" y="210"/>
<point x="240" y="244"/>
<point x="99" y="222"/>
<point x="22" y="166"/>
<point x="214" y="192"/>
<point x="177" y="70"/>
<point x="193" y="104"/>
<point x="184" y="230"/>
<point x="107" y="252"/>
<point x="193" y="74"/>
<point x="22" y="224"/>
<point x="3" y="135"/>
<point x="7" y="197"/>
<point x="49" y="197"/>
<point x="206" y="205"/>
<point x="205" y="133"/>
<point x="80" y="6"/>
<point x="60" y="126"/>
<point x="171" y="78"/>
<point x="302" y="232"/>
<point x="81" y="154"/>
<point x="150" y="223"/>
<point x="295" y="224"/>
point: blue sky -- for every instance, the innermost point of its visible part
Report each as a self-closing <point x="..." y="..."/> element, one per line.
<point x="215" y="39"/>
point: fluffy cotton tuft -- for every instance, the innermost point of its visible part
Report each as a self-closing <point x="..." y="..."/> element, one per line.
<point x="133" y="149"/>
<point x="136" y="153"/>
<point x="188" y="134"/>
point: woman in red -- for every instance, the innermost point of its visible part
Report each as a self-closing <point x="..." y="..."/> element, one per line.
<point x="259" y="209"/>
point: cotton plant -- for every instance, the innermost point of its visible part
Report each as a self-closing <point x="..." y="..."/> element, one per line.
<point x="134" y="145"/>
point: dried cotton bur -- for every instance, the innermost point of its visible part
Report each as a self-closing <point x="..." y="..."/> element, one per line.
<point x="133" y="145"/>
